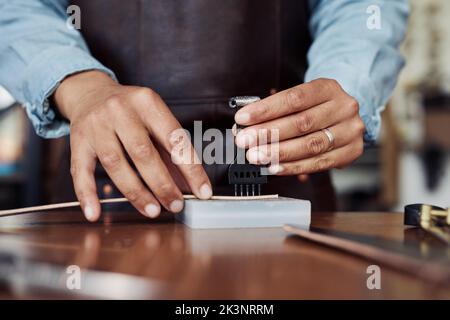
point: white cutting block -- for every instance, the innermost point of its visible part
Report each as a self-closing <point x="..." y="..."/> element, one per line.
<point x="225" y="214"/>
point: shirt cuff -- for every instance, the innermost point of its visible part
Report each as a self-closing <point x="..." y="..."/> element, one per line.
<point x="43" y="77"/>
<point x="359" y="87"/>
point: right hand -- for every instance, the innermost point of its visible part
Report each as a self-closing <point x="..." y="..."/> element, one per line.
<point x="108" y="119"/>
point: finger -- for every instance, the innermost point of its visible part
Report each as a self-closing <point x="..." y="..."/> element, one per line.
<point x="332" y="159"/>
<point x="307" y="146"/>
<point x="135" y="138"/>
<point x="192" y="170"/>
<point x="286" y="102"/>
<point x="82" y="169"/>
<point x="294" y="125"/>
<point x="166" y="128"/>
<point x="111" y="157"/>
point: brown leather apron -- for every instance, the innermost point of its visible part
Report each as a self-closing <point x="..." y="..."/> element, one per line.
<point x="198" y="53"/>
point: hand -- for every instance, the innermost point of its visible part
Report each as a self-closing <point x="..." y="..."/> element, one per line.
<point x="107" y="120"/>
<point x="300" y="113"/>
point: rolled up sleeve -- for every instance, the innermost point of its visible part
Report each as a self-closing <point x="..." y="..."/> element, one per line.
<point x="37" y="51"/>
<point x="366" y="62"/>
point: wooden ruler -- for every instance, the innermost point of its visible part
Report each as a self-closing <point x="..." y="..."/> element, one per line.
<point x="11" y="212"/>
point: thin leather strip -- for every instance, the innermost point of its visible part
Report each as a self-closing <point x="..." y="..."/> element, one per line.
<point x="10" y="212"/>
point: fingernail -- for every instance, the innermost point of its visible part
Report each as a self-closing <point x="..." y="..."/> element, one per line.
<point x="205" y="191"/>
<point x="276" y="168"/>
<point x="176" y="206"/>
<point x="242" y="117"/>
<point x="152" y="210"/>
<point x="89" y="213"/>
<point x="245" y="139"/>
<point x="257" y="156"/>
<point x="234" y="130"/>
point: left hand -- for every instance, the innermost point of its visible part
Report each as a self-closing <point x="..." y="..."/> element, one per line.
<point x="300" y="114"/>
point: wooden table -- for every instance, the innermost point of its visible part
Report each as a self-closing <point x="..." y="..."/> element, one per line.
<point x="214" y="264"/>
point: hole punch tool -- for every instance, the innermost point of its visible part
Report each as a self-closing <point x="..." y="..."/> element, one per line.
<point x="246" y="178"/>
<point x="432" y="219"/>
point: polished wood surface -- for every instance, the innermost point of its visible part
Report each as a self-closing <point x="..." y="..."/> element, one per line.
<point x="215" y="264"/>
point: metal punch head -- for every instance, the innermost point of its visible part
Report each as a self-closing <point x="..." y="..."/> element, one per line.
<point x="246" y="178"/>
<point x="240" y="101"/>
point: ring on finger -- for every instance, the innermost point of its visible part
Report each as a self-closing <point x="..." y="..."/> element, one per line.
<point x="330" y="137"/>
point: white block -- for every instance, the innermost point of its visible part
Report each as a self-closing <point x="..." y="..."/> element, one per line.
<point x="225" y="214"/>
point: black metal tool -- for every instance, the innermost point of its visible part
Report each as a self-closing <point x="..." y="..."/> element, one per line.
<point x="246" y="178"/>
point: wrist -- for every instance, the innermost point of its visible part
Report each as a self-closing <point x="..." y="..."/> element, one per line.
<point x="74" y="89"/>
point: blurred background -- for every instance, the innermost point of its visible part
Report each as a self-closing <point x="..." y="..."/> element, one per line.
<point x="409" y="163"/>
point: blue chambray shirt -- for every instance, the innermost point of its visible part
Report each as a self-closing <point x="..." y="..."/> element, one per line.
<point x="38" y="50"/>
